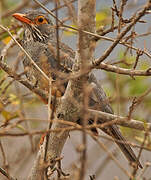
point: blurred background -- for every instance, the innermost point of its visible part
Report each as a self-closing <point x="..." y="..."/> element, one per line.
<point x="17" y="102"/>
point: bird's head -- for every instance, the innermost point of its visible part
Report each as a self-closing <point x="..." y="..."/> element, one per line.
<point x="38" y="25"/>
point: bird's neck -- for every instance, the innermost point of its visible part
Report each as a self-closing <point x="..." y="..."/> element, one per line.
<point x="37" y="35"/>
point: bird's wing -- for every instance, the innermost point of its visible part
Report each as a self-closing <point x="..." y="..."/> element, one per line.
<point x="65" y="58"/>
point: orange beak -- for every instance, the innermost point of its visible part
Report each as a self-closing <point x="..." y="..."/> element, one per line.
<point x="22" y="18"/>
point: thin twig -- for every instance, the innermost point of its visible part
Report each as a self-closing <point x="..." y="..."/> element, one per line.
<point x="2" y="171"/>
<point x="122" y="34"/>
<point x="5" y="164"/>
<point x="139" y="154"/>
<point x="32" y="61"/>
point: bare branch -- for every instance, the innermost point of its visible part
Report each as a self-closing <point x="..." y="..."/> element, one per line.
<point x="123" y="121"/>
<point x="118" y="70"/>
<point x="6" y="174"/>
<point x="123" y="33"/>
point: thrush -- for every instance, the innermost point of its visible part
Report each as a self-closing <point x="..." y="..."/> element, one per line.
<point x="40" y="43"/>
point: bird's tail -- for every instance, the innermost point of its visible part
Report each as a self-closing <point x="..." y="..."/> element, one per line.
<point x="121" y="142"/>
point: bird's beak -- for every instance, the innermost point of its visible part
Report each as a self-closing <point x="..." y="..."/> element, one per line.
<point x="22" y="18"/>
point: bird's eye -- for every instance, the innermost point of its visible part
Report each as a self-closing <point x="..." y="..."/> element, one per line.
<point x="40" y="20"/>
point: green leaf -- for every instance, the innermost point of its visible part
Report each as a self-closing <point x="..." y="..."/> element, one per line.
<point x="21" y="127"/>
<point x="71" y="31"/>
<point x="138" y="86"/>
<point x="13" y="98"/>
<point x="103" y="17"/>
<point x="144" y="65"/>
<point x="128" y="60"/>
<point x="10" y="4"/>
<point x="9" y="115"/>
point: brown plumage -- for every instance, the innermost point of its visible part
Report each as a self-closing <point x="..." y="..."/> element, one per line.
<point x="40" y="42"/>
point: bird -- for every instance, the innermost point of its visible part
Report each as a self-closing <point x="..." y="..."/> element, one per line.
<point x="39" y="41"/>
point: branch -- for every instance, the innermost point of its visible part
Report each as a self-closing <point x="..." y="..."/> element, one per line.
<point x="20" y="6"/>
<point x="86" y="48"/>
<point x="118" y="70"/>
<point x="111" y="119"/>
<point x="42" y="94"/>
<point x="2" y="171"/>
<point x="23" y="50"/>
<point x="123" y="33"/>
